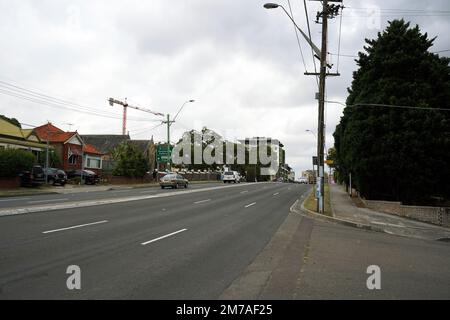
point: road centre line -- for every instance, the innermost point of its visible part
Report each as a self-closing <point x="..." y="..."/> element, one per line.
<point x="202" y="201"/>
<point x="251" y="204"/>
<point x="276" y="193"/>
<point x="162" y="237"/>
<point x="77" y="226"/>
<point x="49" y="200"/>
<point x="245" y="191"/>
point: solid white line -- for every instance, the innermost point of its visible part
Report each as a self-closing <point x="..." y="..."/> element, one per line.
<point x="167" y="235"/>
<point x="201" y="201"/>
<point x="276" y="193"/>
<point x="251" y="204"/>
<point x="244" y="191"/>
<point x="73" y="227"/>
<point x="15" y="199"/>
<point x="49" y="200"/>
<point x="147" y="191"/>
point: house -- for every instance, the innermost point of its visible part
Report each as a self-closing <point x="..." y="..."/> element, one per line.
<point x="72" y="151"/>
<point x="12" y="136"/>
<point x="106" y="143"/>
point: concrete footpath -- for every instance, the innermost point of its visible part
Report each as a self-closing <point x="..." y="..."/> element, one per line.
<point x="313" y="256"/>
<point x="345" y="209"/>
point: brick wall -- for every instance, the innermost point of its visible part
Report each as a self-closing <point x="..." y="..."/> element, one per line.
<point x="435" y="215"/>
<point x="10" y="182"/>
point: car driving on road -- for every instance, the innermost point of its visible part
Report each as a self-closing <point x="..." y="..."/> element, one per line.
<point x="231" y="176"/>
<point x="173" y="180"/>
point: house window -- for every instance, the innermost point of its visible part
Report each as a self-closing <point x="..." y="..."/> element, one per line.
<point x="93" y="163"/>
<point x="72" y="159"/>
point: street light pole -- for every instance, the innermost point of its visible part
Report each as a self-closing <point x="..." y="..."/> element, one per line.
<point x="169" y="123"/>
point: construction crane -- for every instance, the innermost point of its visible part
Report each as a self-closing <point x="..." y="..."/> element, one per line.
<point x="125" y="105"/>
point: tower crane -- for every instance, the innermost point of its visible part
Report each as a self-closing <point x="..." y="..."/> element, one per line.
<point x="125" y="105"/>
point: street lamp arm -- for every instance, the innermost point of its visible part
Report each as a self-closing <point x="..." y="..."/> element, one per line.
<point x="181" y="108"/>
<point x="313" y="46"/>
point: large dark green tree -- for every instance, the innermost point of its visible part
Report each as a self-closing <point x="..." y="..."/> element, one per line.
<point x="130" y="162"/>
<point x="400" y="154"/>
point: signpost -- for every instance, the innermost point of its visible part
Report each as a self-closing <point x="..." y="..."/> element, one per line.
<point x="161" y="153"/>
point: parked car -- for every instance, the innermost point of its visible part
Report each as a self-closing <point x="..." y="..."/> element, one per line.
<point x="56" y="176"/>
<point x="33" y="177"/>
<point x="173" y="180"/>
<point x="89" y="177"/>
<point x="231" y="176"/>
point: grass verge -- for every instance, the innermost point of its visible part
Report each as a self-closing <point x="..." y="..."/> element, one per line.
<point x="311" y="202"/>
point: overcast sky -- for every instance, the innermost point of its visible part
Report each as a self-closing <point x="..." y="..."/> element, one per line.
<point x="239" y="61"/>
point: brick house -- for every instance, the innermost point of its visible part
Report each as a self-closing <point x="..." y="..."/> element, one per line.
<point x="70" y="148"/>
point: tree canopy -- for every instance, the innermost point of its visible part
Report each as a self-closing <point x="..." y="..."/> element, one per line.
<point x="130" y="162"/>
<point x="399" y="154"/>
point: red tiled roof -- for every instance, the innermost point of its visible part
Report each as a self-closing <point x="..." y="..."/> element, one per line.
<point x="53" y="134"/>
<point x="89" y="148"/>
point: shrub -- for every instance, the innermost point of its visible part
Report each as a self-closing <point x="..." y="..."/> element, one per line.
<point x="13" y="161"/>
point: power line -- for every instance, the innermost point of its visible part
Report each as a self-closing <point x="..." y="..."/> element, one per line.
<point x="47" y="100"/>
<point x="309" y="34"/>
<point x="296" y="35"/>
<point x="387" y="106"/>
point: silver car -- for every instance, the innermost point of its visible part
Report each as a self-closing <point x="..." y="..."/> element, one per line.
<point x="173" y="180"/>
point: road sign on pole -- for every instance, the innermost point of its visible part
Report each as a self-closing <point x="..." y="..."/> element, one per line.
<point x="162" y="156"/>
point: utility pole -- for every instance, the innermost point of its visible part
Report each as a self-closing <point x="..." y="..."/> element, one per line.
<point x="169" y="123"/>
<point x="168" y="140"/>
<point x="328" y="11"/>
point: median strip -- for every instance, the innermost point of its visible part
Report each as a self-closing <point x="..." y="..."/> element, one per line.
<point x="162" y="237"/>
<point x="77" y="226"/>
<point x="251" y="204"/>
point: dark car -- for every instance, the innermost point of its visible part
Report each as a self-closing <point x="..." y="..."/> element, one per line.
<point x="33" y="177"/>
<point x="173" y="180"/>
<point x="56" y="176"/>
<point x="89" y="177"/>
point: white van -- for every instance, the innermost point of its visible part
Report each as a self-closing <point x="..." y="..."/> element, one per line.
<point x="231" y="176"/>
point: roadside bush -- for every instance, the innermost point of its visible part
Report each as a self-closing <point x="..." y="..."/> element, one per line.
<point x="13" y="161"/>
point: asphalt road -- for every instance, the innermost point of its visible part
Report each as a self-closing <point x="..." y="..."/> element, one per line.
<point x="31" y="200"/>
<point x="188" y="246"/>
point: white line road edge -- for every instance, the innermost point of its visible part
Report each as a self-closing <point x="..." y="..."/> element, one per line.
<point x="77" y="226"/>
<point x="162" y="237"/>
<point x="49" y="200"/>
<point x="251" y="204"/>
<point x="91" y="203"/>
<point x="202" y="201"/>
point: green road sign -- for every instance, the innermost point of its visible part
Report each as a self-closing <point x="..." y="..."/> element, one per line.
<point x="161" y="153"/>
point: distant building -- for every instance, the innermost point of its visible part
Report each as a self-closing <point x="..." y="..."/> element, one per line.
<point x="277" y="147"/>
